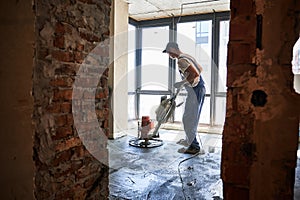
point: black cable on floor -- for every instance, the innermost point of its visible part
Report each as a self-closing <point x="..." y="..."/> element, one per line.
<point x="181" y="180"/>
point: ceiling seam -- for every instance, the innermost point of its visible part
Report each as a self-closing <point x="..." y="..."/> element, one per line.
<point x="161" y="10"/>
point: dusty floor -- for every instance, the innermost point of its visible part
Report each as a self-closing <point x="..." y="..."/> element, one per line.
<point x="161" y="173"/>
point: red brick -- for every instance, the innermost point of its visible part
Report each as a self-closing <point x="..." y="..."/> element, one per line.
<point x="53" y="108"/>
<point x="66" y="107"/>
<point x="80" y="152"/>
<point x="107" y="132"/>
<point x="62" y="157"/>
<point x="68" y="144"/>
<point x="59" y="41"/>
<point x="104" y="81"/>
<point x="67" y="69"/>
<point x="100" y="94"/>
<point x="79" y="56"/>
<point x="74" y="166"/>
<point x="70" y="120"/>
<point x="242" y="8"/>
<point x="100" y="114"/>
<point x="63" y="56"/>
<point x="62" y="94"/>
<point x="59" y="28"/>
<point x="240" y="53"/>
<point x="62" y="82"/>
<point x="43" y="53"/>
<point x="79" y="47"/>
<point x="66" y="194"/>
<point x="243" y="31"/>
<point x="63" y="132"/>
<point x="105" y="73"/>
<point x="237" y="71"/>
<point x="105" y="124"/>
<point x="89" y="182"/>
<point x="87" y="1"/>
<point x="106" y="113"/>
<point x="60" y="120"/>
<point x="88" y="170"/>
<point x="90" y="37"/>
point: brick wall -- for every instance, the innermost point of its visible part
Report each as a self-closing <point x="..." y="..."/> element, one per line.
<point x="261" y="127"/>
<point x="70" y="159"/>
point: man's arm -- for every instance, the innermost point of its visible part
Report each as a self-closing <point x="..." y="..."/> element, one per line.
<point x="192" y="74"/>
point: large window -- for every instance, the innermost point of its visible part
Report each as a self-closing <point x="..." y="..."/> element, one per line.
<point x="205" y="37"/>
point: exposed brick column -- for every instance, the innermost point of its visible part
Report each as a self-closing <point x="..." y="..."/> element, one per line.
<point x="66" y="32"/>
<point x="261" y="128"/>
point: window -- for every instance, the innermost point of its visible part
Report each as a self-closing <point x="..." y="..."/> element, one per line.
<point x="202" y="32"/>
<point x="203" y="36"/>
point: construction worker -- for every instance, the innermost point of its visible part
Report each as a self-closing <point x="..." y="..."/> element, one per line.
<point x="192" y="80"/>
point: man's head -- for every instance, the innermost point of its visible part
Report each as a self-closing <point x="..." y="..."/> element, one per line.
<point x="172" y="49"/>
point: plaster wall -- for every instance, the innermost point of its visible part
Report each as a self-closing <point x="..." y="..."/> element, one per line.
<point x="118" y="79"/>
<point x="16" y="50"/>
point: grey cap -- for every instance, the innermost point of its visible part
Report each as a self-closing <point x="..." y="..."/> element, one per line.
<point x="170" y="45"/>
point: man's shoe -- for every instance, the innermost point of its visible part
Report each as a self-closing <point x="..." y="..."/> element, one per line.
<point x="183" y="142"/>
<point x="190" y="150"/>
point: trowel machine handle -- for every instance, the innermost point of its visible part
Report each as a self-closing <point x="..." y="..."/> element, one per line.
<point x="165" y="110"/>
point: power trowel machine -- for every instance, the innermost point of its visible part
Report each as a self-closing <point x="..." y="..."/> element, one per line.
<point x="148" y="135"/>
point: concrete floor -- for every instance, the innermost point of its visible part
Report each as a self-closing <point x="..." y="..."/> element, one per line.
<point x="161" y="173"/>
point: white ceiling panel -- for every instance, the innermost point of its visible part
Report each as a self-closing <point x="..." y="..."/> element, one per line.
<point x="155" y="9"/>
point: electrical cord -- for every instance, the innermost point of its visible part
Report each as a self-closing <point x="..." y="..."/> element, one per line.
<point x="179" y="173"/>
<point x="178" y="168"/>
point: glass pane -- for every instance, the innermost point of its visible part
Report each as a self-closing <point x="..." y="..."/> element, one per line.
<point x="155" y="70"/>
<point x="195" y="38"/>
<point x="205" y="113"/>
<point x="131" y="58"/>
<point x="224" y="37"/>
<point x="131" y="71"/>
<point x="148" y="105"/>
<point x="131" y="107"/>
<point x="220" y="110"/>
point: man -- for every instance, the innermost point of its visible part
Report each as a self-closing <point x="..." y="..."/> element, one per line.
<point x="192" y="80"/>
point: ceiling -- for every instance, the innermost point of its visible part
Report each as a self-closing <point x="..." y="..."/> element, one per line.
<point x="154" y="9"/>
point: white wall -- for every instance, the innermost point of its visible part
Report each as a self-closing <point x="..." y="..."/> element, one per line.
<point x="118" y="71"/>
